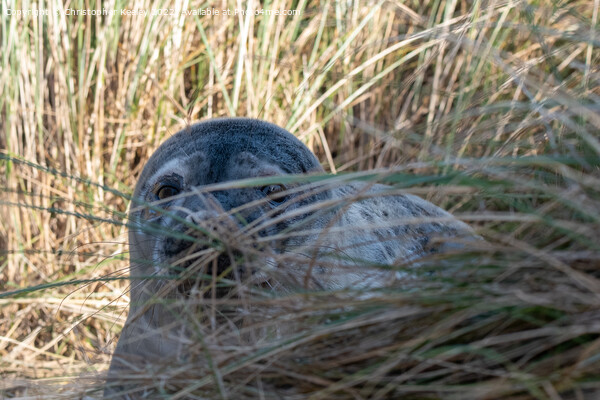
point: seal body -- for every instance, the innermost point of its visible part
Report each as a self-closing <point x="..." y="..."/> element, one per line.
<point x="195" y="238"/>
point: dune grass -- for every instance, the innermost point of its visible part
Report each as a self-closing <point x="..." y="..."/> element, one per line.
<point x="489" y="109"/>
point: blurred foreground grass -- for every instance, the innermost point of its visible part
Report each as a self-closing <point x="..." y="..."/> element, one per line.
<point x="490" y="109"/>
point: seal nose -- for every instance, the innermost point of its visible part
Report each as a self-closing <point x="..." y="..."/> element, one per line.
<point x="197" y="217"/>
<point x="220" y="224"/>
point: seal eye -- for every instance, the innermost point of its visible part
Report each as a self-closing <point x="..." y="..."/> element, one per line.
<point x="166" y="191"/>
<point x="274" y="193"/>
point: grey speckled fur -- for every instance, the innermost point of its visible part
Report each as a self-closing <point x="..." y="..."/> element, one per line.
<point x="230" y="149"/>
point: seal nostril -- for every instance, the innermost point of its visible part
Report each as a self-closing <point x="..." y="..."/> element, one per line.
<point x="198" y="217"/>
<point x="192" y="219"/>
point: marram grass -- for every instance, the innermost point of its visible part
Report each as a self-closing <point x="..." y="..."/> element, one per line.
<point x="488" y="109"/>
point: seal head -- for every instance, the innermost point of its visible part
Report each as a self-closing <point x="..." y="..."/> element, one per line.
<point x="197" y="233"/>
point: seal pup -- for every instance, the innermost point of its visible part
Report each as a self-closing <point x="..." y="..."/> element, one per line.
<point x="195" y="237"/>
